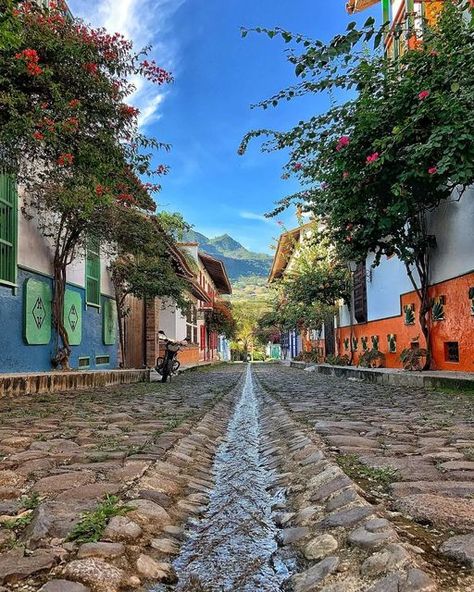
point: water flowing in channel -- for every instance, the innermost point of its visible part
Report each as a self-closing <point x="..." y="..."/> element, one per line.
<point x="233" y="547"/>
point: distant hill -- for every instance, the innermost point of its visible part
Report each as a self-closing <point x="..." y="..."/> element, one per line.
<point x="241" y="264"/>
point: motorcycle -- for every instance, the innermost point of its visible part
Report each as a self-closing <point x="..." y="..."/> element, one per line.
<point x="168" y="364"/>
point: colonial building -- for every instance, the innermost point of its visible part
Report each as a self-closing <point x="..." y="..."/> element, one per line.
<point x="208" y="283"/>
<point x="297" y="341"/>
<point x="385" y="305"/>
<point x="27" y="338"/>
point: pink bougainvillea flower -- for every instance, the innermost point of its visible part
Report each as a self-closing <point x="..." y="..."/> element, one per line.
<point x="38" y="136"/>
<point x="424" y="94"/>
<point x="297" y="166"/>
<point x="342" y="142"/>
<point x="432" y="170"/>
<point x="74" y="103"/>
<point x="372" y="158"/>
<point x="345" y="174"/>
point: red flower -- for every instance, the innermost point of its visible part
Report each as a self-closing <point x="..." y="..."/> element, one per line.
<point x="432" y="170"/>
<point x="342" y="143"/>
<point x="31" y="59"/>
<point x="99" y="190"/>
<point x="297" y="166"/>
<point x="372" y="158"/>
<point x="65" y="159"/>
<point x="424" y="95"/>
<point x="129" y="111"/>
<point x="74" y="103"/>
<point x="38" y="136"/>
<point x="71" y="124"/>
<point x="345" y="174"/>
<point x="91" y="68"/>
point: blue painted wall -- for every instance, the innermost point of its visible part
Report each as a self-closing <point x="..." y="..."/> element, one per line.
<point x="17" y="356"/>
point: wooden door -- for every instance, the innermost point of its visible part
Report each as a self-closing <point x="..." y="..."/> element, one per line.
<point x="134" y="333"/>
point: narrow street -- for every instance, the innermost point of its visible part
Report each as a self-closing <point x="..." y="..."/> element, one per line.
<point x="242" y="478"/>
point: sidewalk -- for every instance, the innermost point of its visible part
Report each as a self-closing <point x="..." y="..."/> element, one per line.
<point x="35" y="383"/>
<point x="394" y="376"/>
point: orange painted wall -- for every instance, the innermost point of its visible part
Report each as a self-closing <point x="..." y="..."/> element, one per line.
<point x="310" y="345"/>
<point x="189" y="355"/>
<point x="458" y="325"/>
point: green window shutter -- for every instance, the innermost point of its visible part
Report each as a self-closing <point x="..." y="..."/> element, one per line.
<point x="73" y="316"/>
<point x="8" y="228"/>
<point x="93" y="273"/>
<point x="110" y="321"/>
<point x="37" y="318"/>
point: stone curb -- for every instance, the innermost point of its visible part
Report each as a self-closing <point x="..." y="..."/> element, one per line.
<point x="395" y="377"/>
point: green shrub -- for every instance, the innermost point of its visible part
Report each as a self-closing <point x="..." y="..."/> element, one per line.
<point x="338" y="360"/>
<point x="413" y="358"/>
<point x="372" y="358"/>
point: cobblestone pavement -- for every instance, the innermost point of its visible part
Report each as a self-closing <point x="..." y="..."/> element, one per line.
<point x="99" y="491"/>
<point x="60" y="455"/>
<point x="411" y="451"/>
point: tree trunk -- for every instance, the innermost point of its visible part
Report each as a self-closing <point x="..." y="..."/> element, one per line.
<point x="63" y="349"/>
<point x="422" y="267"/>
<point x="120" y="318"/>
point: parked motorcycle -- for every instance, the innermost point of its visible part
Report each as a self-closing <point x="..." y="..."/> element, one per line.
<point x="168" y="364"/>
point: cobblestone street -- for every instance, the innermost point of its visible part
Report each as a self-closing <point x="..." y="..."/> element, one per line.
<point x="371" y="487"/>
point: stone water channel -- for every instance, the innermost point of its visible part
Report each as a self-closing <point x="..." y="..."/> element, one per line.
<point x="234" y="546"/>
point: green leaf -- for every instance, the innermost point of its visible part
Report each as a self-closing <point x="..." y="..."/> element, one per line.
<point x="351" y="26"/>
<point x="455" y="87"/>
<point x="299" y="69"/>
<point x="369" y="22"/>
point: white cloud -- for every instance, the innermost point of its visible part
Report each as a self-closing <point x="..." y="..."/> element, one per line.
<point x="145" y="22"/>
<point x="252" y="216"/>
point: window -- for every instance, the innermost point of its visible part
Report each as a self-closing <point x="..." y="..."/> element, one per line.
<point x="8" y="228"/>
<point x="451" y="351"/>
<point x="191" y="323"/>
<point x="360" y="294"/>
<point x="102" y="360"/>
<point x="93" y="273"/>
<point x="84" y="362"/>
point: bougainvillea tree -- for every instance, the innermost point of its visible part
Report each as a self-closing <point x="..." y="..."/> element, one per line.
<point x="67" y="132"/>
<point x="396" y="142"/>
<point x="221" y="320"/>
<point x="314" y="282"/>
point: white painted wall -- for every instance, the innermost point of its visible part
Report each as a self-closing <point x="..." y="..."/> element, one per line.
<point x="388" y="281"/>
<point x="35" y="254"/>
<point x="453" y="225"/>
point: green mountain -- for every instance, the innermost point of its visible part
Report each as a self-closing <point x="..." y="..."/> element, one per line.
<point x="239" y="261"/>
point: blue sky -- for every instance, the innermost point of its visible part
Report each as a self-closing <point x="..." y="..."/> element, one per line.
<point x="206" y="111"/>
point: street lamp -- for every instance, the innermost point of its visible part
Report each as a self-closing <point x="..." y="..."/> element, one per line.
<point x="352" y="267"/>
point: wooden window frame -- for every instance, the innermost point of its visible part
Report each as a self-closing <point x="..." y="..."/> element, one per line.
<point x="192" y="324"/>
<point x="93" y="255"/>
<point x="9" y="242"/>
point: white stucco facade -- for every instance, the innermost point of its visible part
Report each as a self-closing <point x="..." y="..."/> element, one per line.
<point x="35" y="254"/>
<point x="453" y="226"/>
